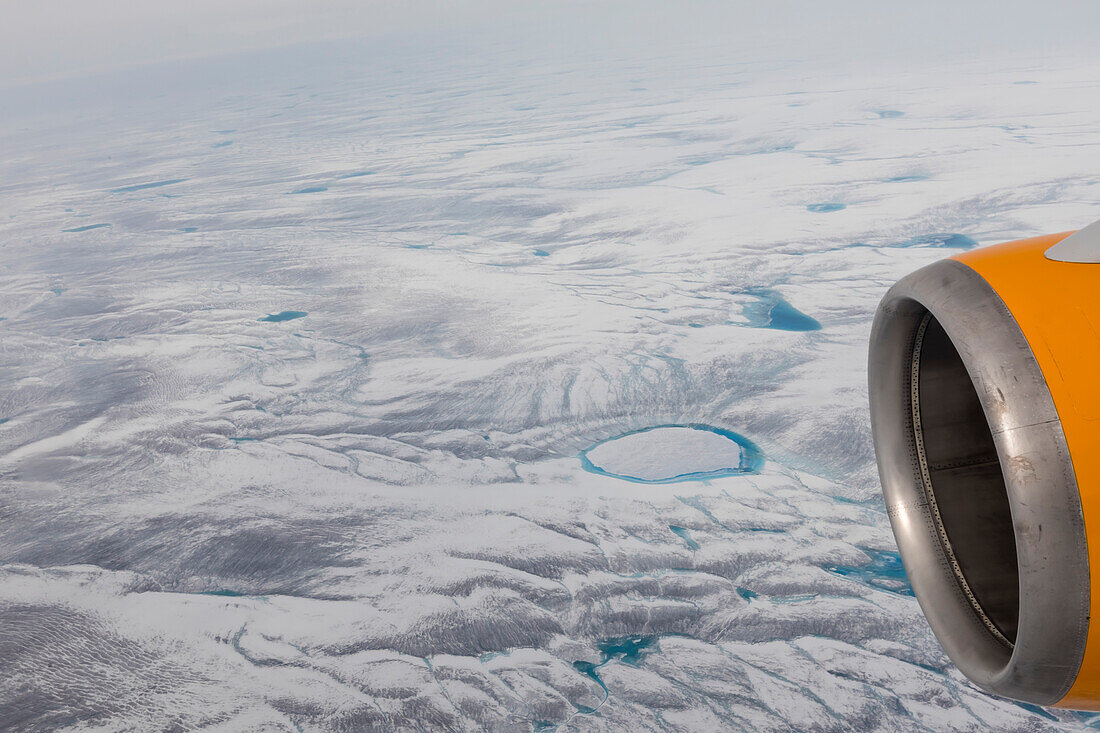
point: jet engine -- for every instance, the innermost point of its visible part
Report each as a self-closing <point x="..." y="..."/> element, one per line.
<point x="984" y="376"/>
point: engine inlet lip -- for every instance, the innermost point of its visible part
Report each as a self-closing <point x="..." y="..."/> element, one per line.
<point x="1051" y="545"/>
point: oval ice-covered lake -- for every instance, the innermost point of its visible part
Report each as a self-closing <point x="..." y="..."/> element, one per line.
<point x="667" y="453"/>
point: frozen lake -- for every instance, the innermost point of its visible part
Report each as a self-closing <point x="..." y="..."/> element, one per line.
<point x="414" y="384"/>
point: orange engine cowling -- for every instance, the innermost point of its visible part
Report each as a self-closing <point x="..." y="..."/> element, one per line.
<point x="984" y="377"/>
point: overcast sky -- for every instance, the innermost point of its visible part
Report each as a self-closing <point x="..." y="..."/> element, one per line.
<point x="52" y="38"/>
<point x="41" y="39"/>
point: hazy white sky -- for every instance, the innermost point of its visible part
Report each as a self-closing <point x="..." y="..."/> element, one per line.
<point x="42" y="39"/>
<point x="50" y="38"/>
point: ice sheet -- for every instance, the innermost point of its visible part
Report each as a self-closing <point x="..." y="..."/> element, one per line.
<point x="292" y="429"/>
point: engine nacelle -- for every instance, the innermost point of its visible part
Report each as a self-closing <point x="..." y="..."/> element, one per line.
<point x="984" y="376"/>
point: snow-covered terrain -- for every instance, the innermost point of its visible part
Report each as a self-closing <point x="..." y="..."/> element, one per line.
<point x="307" y="356"/>
<point x="669" y="453"/>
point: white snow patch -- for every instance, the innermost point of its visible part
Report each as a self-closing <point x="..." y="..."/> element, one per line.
<point x="666" y="453"/>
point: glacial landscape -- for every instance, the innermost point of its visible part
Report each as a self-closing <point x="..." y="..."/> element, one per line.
<point x="425" y="383"/>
